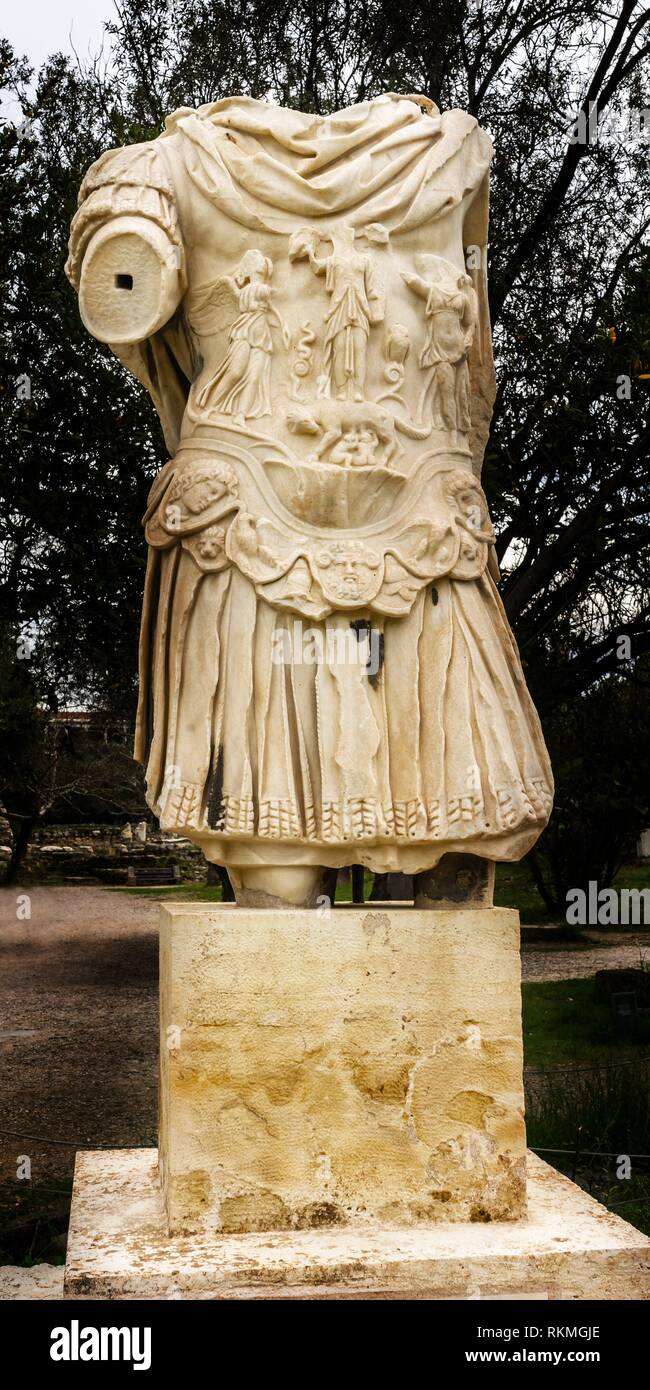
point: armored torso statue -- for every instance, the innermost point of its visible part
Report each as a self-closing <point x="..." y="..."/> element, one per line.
<point x="327" y="672"/>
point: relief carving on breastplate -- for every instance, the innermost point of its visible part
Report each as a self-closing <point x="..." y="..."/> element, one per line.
<point x="451" y="315"/>
<point x="241" y="385"/>
<point x="321" y="361"/>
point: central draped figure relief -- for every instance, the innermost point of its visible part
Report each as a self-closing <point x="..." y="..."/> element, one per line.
<point x="327" y="672"/>
<point x="356" y="301"/>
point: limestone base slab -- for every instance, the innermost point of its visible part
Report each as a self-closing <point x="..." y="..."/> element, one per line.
<point x="362" y="1067"/>
<point x="41" y="1283"/>
<point x="568" y="1247"/>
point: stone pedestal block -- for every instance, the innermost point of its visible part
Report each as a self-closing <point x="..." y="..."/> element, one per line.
<point x="361" y="1068"/>
<point x="567" y="1247"/>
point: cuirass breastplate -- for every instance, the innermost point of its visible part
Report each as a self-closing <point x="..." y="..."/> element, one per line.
<point x="339" y="346"/>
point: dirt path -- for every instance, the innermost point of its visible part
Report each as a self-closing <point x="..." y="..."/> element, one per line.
<point x="78" y="1027"/>
<point x="605" y="952"/>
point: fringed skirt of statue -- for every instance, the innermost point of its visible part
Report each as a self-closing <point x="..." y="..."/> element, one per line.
<point x="277" y="728"/>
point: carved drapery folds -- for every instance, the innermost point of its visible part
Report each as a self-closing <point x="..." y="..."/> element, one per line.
<point x="319" y="351"/>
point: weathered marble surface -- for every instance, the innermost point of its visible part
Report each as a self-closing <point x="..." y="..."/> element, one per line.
<point x="568" y="1247"/>
<point x="365" y="1068"/>
<point x="41" y="1282"/>
<point x="327" y="673"/>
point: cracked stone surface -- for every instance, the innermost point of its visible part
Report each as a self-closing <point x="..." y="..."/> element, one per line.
<point x="360" y="1068"/>
<point x="567" y="1247"/>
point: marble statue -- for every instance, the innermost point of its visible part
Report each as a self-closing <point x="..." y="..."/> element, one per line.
<point x="305" y="300"/>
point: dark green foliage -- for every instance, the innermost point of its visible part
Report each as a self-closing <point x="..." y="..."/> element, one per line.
<point x="600" y="750"/>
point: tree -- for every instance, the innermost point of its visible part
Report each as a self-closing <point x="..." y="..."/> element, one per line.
<point x="81" y="441"/>
<point x="600" y="748"/>
<point x="81" y="444"/>
<point x="50" y="766"/>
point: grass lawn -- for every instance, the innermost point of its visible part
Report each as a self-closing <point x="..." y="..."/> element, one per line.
<point x="564" y="1021"/>
<point x="588" y="1099"/>
<point x="633" y="876"/>
<point x="514" y="888"/>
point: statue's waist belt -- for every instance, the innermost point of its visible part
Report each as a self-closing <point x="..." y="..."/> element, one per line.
<point x="318" y="538"/>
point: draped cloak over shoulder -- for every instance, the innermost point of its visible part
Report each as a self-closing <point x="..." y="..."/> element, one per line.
<point x="393" y="160"/>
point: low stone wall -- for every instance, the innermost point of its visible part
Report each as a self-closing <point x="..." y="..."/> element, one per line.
<point x="103" y="854"/>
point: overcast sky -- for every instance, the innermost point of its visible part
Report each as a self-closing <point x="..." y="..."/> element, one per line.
<point x="40" y="27"/>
